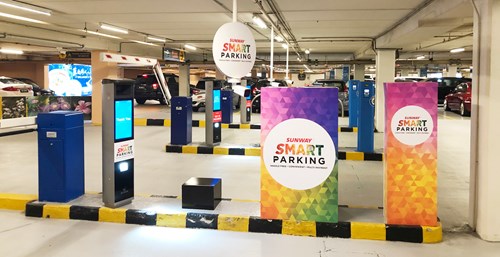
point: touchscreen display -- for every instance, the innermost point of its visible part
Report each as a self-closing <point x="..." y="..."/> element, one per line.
<point x="216" y="100"/>
<point x="123" y="119"/>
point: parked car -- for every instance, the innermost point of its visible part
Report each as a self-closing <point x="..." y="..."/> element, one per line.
<point x="14" y="87"/>
<point x="146" y="87"/>
<point x="37" y="90"/>
<point x="343" y="91"/>
<point x="198" y="93"/>
<point x="460" y="99"/>
<point x="446" y="85"/>
<point x="256" y="91"/>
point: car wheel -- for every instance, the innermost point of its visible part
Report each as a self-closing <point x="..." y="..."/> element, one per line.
<point x="463" y="111"/>
<point x="446" y="107"/>
<point x="140" y="100"/>
<point x="162" y="101"/>
<point x="195" y="109"/>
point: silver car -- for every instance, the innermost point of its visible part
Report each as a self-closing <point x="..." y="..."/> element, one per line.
<point x="14" y="87"/>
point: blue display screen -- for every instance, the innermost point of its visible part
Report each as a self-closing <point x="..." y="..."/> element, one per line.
<point x="123" y="119"/>
<point x="216" y="100"/>
<point x="249" y="97"/>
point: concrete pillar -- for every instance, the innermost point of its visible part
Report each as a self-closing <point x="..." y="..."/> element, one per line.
<point x="386" y="66"/>
<point x="359" y="72"/>
<point x="100" y="71"/>
<point x="184" y="79"/>
<point x="485" y="139"/>
<point x="452" y="71"/>
<point x="338" y="73"/>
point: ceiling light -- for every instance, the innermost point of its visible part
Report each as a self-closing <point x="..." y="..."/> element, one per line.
<point x="420" y="57"/>
<point x="298" y="59"/>
<point x="144" y="43"/>
<point x="284" y="46"/>
<point x="101" y="34"/>
<point x="157" y="39"/>
<point x="190" y="47"/>
<point x="11" y="16"/>
<point x="113" y="28"/>
<point x="457" y="50"/>
<point x="279" y="38"/>
<point x="11" y="51"/>
<point x="308" y="51"/>
<point x="25" y="7"/>
<point x="259" y="22"/>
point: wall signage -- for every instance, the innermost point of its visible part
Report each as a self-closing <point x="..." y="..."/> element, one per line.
<point x="299" y="158"/>
<point x="411" y="153"/>
<point x="234" y="49"/>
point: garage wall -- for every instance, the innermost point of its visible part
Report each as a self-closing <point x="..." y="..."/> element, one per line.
<point x="30" y="70"/>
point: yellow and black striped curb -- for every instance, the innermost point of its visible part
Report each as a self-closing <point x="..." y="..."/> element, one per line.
<point x="355" y="230"/>
<point x="255" y="151"/>
<point x="201" y="124"/>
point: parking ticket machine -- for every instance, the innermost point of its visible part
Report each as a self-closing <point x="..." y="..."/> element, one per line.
<point x="246" y="104"/>
<point x="213" y="114"/>
<point x="117" y="142"/>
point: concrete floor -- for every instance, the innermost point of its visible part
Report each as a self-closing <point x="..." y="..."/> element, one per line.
<point x="157" y="172"/>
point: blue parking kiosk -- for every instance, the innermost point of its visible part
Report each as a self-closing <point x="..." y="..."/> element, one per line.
<point x="60" y="156"/>
<point x="181" y="116"/>
<point x="366" y="118"/>
<point x="353" y="102"/>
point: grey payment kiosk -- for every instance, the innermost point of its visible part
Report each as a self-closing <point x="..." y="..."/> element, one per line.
<point x="117" y="142"/>
<point x="245" y="104"/>
<point x="213" y="114"/>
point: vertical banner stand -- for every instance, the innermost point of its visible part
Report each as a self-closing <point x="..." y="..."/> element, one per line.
<point x="410" y="155"/>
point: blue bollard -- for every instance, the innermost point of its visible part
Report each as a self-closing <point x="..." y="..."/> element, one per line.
<point x="182" y="120"/>
<point x="366" y="117"/>
<point x="353" y="103"/>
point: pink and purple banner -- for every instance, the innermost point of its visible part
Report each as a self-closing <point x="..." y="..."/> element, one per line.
<point x="411" y="153"/>
<point x="299" y="140"/>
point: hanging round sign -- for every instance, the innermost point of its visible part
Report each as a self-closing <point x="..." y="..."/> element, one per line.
<point x="233" y="49"/>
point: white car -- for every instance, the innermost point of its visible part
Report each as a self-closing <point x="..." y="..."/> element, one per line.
<point x="14" y="87"/>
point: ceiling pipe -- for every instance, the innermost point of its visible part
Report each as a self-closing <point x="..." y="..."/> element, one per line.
<point x="53" y="41"/>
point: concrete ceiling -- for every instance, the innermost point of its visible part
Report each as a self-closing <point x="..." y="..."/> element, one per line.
<point x="334" y="30"/>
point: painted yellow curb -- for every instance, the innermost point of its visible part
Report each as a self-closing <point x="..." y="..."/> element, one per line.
<point x="190" y="149"/>
<point x="233" y="223"/>
<point x="299" y="228"/>
<point x="202" y="123"/>
<point x="112" y="215"/>
<point x="171" y="220"/>
<point x="140" y="122"/>
<point x="354" y="156"/>
<point x="54" y="211"/>
<point x="15" y="202"/>
<point x="432" y="234"/>
<point x="244" y="126"/>
<point x="224" y="125"/>
<point x="167" y="123"/>
<point x="221" y="150"/>
<point x="372" y="231"/>
<point x="252" y="151"/>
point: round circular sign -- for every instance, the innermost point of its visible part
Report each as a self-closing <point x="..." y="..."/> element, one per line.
<point x="412" y="125"/>
<point x="234" y="50"/>
<point x="299" y="154"/>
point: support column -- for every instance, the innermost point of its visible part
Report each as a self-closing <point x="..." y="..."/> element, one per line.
<point x="359" y="72"/>
<point x="100" y="71"/>
<point x="338" y="73"/>
<point x="452" y="71"/>
<point x="485" y="178"/>
<point x="386" y="66"/>
<point x="184" y="79"/>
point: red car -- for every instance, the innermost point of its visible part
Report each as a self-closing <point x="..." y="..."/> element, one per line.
<point x="459" y="99"/>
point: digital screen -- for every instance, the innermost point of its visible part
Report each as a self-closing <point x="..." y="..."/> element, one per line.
<point x="249" y="97"/>
<point x="70" y="79"/>
<point x="123" y="119"/>
<point x="216" y="100"/>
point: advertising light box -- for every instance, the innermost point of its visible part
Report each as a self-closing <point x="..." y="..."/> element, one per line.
<point x="70" y="79"/>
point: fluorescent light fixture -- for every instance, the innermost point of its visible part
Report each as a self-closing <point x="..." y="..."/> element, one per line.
<point x="11" y="51"/>
<point x="259" y="22"/>
<point x="190" y="47"/>
<point x="298" y="59"/>
<point x="308" y="51"/>
<point x="279" y="38"/>
<point x="101" y="34"/>
<point x="21" y="18"/>
<point x="307" y="67"/>
<point x="144" y="43"/>
<point x="113" y="28"/>
<point x="457" y="50"/>
<point x="284" y="46"/>
<point x="157" y="39"/>
<point x="26" y="7"/>
<point x="421" y="57"/>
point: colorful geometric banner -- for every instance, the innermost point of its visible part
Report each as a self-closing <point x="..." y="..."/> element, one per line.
<point x="299" y="140"/>
<point x="411" y="153"/>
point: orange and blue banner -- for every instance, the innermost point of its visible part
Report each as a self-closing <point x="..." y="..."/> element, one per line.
<point x="411" y="153"/>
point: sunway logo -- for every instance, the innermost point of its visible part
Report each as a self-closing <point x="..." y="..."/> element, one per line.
<point x="236" y="49"/>
<point x="412" y="125"/>
<point x="299" y="151"/>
